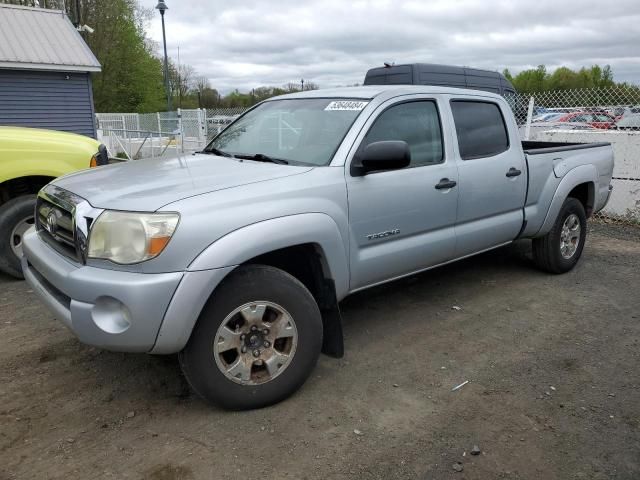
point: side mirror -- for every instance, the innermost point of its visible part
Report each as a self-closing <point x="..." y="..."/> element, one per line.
<point x="385" y="155"/>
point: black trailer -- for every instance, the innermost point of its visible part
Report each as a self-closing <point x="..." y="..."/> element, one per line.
<point x="445" y="75"/>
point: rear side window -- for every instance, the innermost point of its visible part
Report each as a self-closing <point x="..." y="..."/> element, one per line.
<point x="481" y="129"/>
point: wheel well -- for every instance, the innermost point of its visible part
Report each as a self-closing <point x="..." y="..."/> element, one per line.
<point x="301" y="261"/>
<point x="22" y="186"/>
<point x="585" y="193"/>
<point x="306" y="263"/>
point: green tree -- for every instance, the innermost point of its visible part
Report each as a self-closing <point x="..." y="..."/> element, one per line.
<point x="238" y="99"/>
<point x="131" y="79"/>
<point x="563" y="78"/>
<point x="528" y="80"/>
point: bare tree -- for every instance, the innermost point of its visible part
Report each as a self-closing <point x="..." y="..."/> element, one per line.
<point x="182" y="80"/>
<point x="202" y="83"/>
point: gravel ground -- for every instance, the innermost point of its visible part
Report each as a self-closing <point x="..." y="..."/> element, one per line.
<point x="552" y="364"/>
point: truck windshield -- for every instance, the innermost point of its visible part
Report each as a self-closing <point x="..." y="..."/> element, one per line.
<point x="303" y="131"/>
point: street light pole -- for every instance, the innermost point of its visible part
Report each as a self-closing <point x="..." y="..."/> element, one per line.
<point x="162" y="6"/>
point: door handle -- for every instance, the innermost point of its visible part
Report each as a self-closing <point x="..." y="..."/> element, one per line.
<point x="513" y="172"/>
<point x="445" y="184"/>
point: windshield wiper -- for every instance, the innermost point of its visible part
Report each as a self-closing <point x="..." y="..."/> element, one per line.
<point x="261" y="157"/>
<point x="215" y="151"/>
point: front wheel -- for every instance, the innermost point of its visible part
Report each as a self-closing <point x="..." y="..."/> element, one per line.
<point x="256" y="341"/>
<point x="560" y="249"/>
<point x="16" y="217"/>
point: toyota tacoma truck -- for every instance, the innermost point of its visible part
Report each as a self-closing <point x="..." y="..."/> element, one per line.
<point x="237" y="257"/>
<point x="29" y="159"/>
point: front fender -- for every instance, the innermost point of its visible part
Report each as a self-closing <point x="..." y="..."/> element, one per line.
<point x="573" y="178"/>
<point x="263" y="237"/>
<point x="214" y="263"/>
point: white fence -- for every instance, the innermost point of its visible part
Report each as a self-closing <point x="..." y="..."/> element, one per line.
<point x="589" y="115"/>
<point x="142" y="135"/>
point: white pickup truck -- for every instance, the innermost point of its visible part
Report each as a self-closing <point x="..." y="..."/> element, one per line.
<point x="237" y="257"/>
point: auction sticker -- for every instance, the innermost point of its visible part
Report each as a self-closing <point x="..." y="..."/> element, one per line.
<point x="346" y="105"/>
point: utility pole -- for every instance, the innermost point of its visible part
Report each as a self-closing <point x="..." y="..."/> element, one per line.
<point x="162" y="6"/>
<point x="179" y="81"/>
<point x="77" y="15"/>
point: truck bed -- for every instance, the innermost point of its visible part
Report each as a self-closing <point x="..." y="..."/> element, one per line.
<point x="548" y="163"/>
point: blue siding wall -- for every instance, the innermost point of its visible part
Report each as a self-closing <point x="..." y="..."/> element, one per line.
<point x="55" y="100"/>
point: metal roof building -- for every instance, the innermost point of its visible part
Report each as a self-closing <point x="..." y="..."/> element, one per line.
<point x="45" y="68"/>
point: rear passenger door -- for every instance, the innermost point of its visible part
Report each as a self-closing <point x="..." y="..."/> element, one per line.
<point x="492" y="175"/>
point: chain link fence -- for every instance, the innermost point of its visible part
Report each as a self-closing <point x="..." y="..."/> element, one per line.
<point x="588" y="115"/>
<point x="218" y="118"/>
<point x="591" y="115"/>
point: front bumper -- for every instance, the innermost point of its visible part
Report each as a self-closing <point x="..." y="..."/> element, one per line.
<point x="110" y="309"/>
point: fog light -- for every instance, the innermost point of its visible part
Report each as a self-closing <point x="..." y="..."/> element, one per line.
<point x="111" y="315"/>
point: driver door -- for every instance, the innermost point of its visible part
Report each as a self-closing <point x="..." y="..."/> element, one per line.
<point x="402" y="221"/>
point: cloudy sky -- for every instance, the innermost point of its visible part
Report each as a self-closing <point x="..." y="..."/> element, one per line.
<point x="249" y="43"/>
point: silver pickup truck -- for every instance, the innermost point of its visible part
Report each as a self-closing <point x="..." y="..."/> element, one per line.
<point x="236" y="257"/>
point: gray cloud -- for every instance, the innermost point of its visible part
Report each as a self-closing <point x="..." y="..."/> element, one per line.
<point x="252" y="43"/>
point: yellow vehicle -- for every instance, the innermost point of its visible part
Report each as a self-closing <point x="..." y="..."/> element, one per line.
<point x="29" y="159"/>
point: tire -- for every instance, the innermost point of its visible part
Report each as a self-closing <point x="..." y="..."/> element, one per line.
<point x="272" y="377"/>
<point x="548" y="251"/>
<point x="13" y="216"/>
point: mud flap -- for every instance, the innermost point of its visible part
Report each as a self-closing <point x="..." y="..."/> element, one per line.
<point x="332" y="338"/>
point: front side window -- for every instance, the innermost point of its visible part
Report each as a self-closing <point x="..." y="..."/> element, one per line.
<point x="416" y="123"/>
<point x="304" y="131"/>
<point x="480" y="128"/>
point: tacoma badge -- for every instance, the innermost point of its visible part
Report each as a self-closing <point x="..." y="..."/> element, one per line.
<point x="387" y="233"/>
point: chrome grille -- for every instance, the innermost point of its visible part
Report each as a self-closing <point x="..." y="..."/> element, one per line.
<point x="55" y="225"/>
<point x="55" y="222"/>
<point x="63" y="220"/>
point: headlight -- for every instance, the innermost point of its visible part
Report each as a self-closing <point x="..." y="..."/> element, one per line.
<point x="130" y="237"/>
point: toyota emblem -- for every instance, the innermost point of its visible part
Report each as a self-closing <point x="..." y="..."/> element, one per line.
<point x="52" y="222"/>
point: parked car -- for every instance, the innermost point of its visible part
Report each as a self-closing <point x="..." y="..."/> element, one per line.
<point x="628" y="122"/>
<point x="597" y="119"/>
<point x="548" y="117"/>
<point x="29" y="159"/>
<point x="621" y="112"/>
<point x="237" y="257"/>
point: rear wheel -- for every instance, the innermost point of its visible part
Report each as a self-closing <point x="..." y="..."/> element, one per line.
<point x="16" y="217"/>
<point x="256" y="341"/>
<point x="560" y="249"/>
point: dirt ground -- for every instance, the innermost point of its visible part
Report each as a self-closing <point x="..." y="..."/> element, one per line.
<point x="553" y="393"/>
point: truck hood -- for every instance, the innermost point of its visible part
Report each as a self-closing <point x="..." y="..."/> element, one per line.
<point x="147" y="185"/>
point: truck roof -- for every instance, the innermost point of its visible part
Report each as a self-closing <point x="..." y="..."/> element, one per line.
<point x="372" y="91"/>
